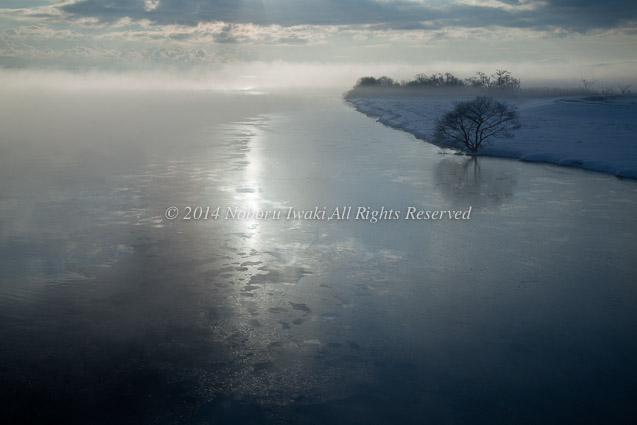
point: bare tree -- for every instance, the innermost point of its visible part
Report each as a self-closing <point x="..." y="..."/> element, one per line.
<point x="484" y="79"/>
<point x="504" y="80"/>
<point x="588" y="84"/>
<point x="624" y="89"/>
<point x="475" y="122"/>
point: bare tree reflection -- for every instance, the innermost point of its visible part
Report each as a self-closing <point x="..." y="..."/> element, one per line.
<point x="463" y="182"/>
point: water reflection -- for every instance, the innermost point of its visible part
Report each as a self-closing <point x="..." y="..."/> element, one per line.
<point x="462" y="181"/>
<point x="248" y="192"/>
<point x="151" y="321"/>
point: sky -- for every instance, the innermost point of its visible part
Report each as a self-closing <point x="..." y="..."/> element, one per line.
<point x="265" y="43"/>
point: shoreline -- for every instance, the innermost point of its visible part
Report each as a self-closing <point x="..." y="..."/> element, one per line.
<point x="540" y="119"/>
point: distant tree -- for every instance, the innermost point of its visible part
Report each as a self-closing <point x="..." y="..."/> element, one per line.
<point x="420" y="80"/>
<point x="484" y="79"/>
<point x="475" y="122"/>
<point x="624" y="89"/>
<point x="504" y="80"/>
<point x="474" y="82"/>
<point x="453" y="81"/>
<point x="588" y="85"/>
<point x="367" y="82"/>
<point x="376" y="82"/>
<point x="437" y="80"/>
<point x="387" y="82"/>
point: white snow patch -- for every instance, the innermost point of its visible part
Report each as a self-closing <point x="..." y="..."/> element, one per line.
<point x="595" y="135"/>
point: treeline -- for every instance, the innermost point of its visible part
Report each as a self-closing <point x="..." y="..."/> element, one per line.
<point x="499" y="84"/>
<point x="500" y="80"/>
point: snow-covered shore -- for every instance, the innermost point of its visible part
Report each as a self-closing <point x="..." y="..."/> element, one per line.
<point x="596" y="135"/>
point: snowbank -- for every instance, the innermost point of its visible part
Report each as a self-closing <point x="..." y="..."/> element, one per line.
<point x="596" y="135"/>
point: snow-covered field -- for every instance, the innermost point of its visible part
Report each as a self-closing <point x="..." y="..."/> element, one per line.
<point x="596" y="135"/>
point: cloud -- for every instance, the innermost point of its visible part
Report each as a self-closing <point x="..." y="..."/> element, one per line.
<point x="575" y="15"/>
<point x="225" y="36"/>
<point x="581" y="15"/>
<point x="273" y="12"/>
<point x="148" y="34"/>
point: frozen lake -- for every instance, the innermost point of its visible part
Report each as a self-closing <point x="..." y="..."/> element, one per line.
<point x="110" y="313"/>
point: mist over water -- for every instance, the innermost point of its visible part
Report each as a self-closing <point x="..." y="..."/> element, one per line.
<point x="110" y="313"/>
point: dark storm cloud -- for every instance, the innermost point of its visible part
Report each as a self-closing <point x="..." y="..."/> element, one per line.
<point x="576" y="15"/>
